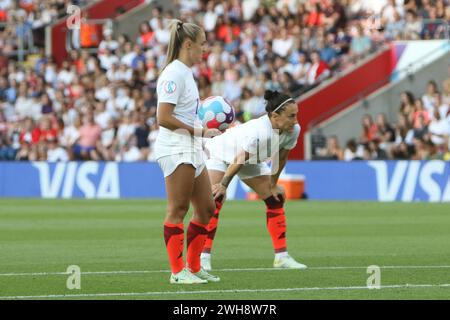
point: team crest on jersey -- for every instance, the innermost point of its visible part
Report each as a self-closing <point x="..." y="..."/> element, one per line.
<point x="169" y="87"/>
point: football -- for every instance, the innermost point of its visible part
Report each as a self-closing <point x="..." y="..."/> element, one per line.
<point x="216" y="112"/>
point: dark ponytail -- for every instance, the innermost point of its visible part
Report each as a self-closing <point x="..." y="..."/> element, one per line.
<point x="276" y="101"/>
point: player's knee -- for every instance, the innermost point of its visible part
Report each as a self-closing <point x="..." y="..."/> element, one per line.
<point x="178" y="211"/>
<point x="273" y="203"/>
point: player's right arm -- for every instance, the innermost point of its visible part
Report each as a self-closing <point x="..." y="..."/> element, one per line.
<point x="167" y="120"/>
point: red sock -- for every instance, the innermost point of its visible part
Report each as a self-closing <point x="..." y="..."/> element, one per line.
<point x="212" y="227"/>
<point x="196" y="236"/>
<point x="276" y="223"/>
<point x="174" y="237"/>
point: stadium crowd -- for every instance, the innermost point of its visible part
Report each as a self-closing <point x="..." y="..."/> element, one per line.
<point x="102" y="106"/>
<point x="422" y="131"/>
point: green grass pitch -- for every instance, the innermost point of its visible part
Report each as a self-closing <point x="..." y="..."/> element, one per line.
<point x="120" y="249"/>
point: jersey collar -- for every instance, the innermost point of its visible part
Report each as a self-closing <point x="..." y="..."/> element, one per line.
<point x="182" y="65"/>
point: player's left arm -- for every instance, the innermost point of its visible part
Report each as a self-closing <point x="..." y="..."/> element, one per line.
<point x="280" y="163"/>
<point x="282" y="159"/>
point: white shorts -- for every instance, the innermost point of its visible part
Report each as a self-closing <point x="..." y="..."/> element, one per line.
<point x="168" y="164"/>
<point x="247" y="171"/>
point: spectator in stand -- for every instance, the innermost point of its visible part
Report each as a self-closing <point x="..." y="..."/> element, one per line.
<point x="125" y="130"/>
<point x="386" y="134"/>
<point x="26" y="152"/>
<point x="107" y="147"/>
<point x="425" y="150"/>
<point x="146" y="34"/>
<point x="428" y="98"/>
<point x="335" y="15"/>
<point x="107" y="43"/>
<point x="419" y="111"/>
<point x="210" y="17"/>
<point x="360" y="44"/>
<point x="47" y="105"/>
<point x="283" y="43"/>
<point x="102" y="116"/>
<point x="318" y="70"/>
<point x="44" y="131"/>
<point x="404" y="132"/>
<point x="439" y="129"/>
<point x="413" y="26"/>
<point x="69" y="134"/>
<point x="7" y="152"/>
<point x="406" y="103"/>
<point x="442" y="107"/>
<point x="395" y="29"/>
<point x="55" y="152"/>
<point x="315" y="17"/>
<point x="352" y="151"/>
<point x="329" y="51"/>
<point x="129" y="152"/>
<point x="372" y="151"/>
<point x="402" y="151"/>
<point x="141" y="134"/>
<point x="332" y="151"/>
<point x="421" y="128"/>
<point x="389" y="11"/>
<point x="90" y="133"/>
<point x="369" y="129"/>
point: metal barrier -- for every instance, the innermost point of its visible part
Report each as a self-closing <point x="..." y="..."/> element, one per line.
<point x="24" y="41"/>
<point x="435" y="29"/>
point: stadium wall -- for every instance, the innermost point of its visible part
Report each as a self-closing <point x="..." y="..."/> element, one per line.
<point x="408" y="181"/>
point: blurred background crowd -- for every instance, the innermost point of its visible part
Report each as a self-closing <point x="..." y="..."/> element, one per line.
<point x="101" y="105"/>
<point x="421" y="133"/>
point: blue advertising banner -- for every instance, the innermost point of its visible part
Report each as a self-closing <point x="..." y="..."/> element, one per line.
<point x="323" y="180"/>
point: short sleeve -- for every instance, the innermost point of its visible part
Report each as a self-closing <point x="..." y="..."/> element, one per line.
<point x="292" y="141"/>
<point x="170" y="88"/>
<point x="250" y="144"/>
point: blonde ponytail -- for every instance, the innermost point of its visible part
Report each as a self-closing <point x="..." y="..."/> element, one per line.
<point x="179" y="32"/>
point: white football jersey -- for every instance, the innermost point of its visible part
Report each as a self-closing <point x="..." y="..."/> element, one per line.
<point x="176" y="85"/>
<point x="256" y="137"/>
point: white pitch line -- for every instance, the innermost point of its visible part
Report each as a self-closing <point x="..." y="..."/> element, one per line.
<point x="129" y="294"/>
<point x="218" y="270"/>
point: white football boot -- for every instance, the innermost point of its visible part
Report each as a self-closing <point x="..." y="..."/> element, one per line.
<point x="185" y="277"/>
<point x="202" y="274"/>
<point x="287" y="262"/>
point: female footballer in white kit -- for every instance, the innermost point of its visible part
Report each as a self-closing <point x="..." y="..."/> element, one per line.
<point x="180" y="156"/>
<point x="242" y="151"/>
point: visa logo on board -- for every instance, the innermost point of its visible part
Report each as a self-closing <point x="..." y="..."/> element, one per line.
<point x="93" y="179"/>
<point x="412" y="175"/>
